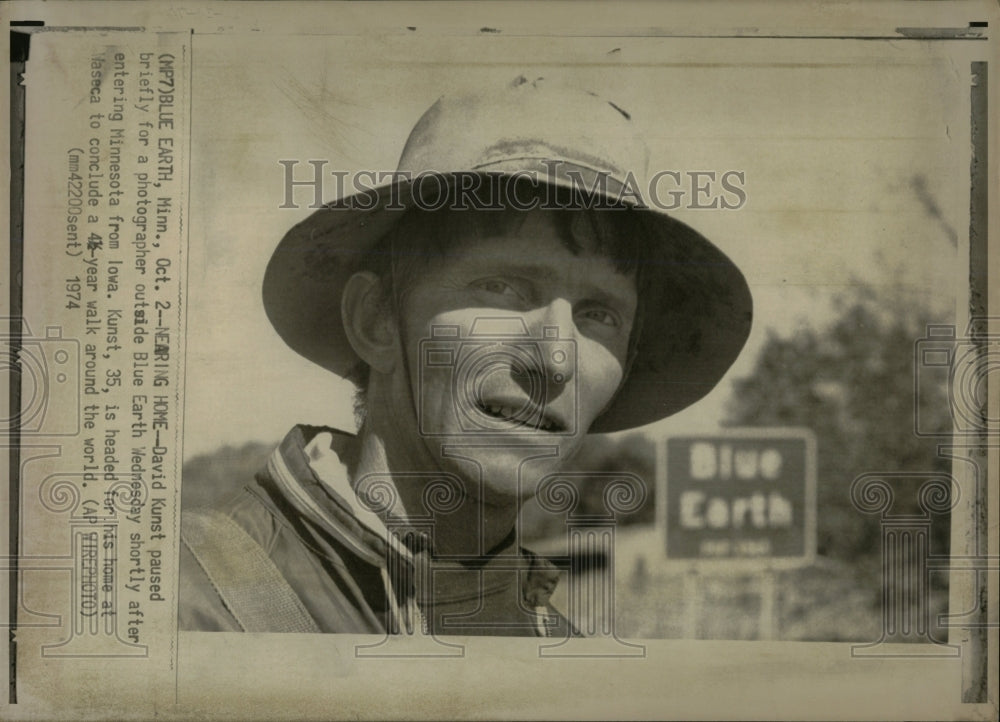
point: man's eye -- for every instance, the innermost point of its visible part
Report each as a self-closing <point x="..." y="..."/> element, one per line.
<point x="600" y="315"/>
<point x="492" y="285"/>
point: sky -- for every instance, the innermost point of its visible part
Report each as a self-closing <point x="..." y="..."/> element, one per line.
<point x="855" y="157"/>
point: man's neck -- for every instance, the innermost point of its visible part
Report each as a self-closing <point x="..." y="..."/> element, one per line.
<point x="472" y="528"/>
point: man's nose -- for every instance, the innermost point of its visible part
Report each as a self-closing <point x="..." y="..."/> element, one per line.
<point x="553" y="333"/>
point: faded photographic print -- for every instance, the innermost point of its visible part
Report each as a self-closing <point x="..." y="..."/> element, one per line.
<point x="546" y="366"/>
<point x="482" y="311"/>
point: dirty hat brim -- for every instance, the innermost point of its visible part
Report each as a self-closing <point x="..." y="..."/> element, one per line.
<point x="697" y="307"/>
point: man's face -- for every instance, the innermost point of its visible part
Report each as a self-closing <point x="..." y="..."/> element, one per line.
<point x="507" y="398"/>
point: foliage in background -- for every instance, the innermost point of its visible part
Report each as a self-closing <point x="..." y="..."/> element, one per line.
<point x="211" y="478"/>
<point x="852" y="383"/>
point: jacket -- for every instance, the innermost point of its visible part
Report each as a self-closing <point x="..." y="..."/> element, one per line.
<point x="296" y="551"/>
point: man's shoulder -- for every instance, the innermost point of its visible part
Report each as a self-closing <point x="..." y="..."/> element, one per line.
<point x="219" y="535"/>
<point x="262" y="506"/>
<point x="251" y="508"/>
<point x="216" y="537"/>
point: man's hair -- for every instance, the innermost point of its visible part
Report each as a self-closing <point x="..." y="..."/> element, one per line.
<point x="422" y="238"/>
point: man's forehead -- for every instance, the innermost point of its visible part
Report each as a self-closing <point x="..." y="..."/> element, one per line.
<point x="543" y="258"/>
<point x="535" y="236"/>
<point x="544" y="264"/>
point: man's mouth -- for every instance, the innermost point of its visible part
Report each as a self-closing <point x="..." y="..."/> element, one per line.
<point x="532" y="419"/>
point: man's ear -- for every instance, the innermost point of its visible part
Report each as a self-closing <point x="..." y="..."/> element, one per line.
<point x="368" y="321"/>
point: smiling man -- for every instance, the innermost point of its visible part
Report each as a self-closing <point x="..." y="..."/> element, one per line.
<point x="505" y="295"/>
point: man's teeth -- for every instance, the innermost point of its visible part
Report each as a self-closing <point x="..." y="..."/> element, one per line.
<point x="507" y="412"/>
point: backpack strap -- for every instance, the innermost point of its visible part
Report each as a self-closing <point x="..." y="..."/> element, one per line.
<point x="244" y="576"/>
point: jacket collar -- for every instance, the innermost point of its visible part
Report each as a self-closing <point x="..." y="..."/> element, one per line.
<point x="309" y="470"/>
<point x="328" y="503"/>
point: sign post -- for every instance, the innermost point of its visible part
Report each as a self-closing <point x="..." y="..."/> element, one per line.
<point x="742" y="500"/>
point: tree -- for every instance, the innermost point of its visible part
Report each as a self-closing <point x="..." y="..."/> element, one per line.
<point x="212" y="477"/>
<point x="852" y="382"/>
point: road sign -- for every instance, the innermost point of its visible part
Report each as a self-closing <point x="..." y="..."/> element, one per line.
<point x="743" y="495"/>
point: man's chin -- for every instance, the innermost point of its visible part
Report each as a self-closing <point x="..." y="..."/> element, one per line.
<point x="502" y="473"/>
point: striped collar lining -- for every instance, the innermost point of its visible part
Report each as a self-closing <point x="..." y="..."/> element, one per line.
<point x="294" y="466"/>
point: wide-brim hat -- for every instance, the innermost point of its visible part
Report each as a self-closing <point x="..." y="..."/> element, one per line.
<point x="697" y="308"/>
